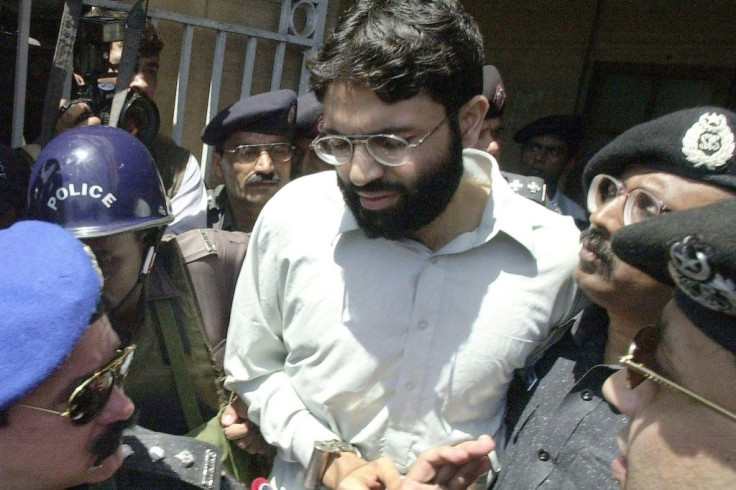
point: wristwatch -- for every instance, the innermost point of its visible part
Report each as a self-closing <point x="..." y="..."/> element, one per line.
<point x="323" y="454"/>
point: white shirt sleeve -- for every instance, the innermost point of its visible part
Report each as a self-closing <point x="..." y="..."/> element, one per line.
<point x="189" y="204"/>
<point x="256" y="354"/>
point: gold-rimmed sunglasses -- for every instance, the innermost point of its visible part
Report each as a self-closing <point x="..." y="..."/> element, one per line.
<point x="90" y="397"/>
<point x="641" y="361"/>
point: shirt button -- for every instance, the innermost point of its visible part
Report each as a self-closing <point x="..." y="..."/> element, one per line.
<point x="409" y="386"/>
<point x="586" y="395"/>
<point x="423" y="325"/>
<point x="434" y="260"/>
<point x="543" y="455"/>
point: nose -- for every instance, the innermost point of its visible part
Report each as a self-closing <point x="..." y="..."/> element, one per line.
<point x="119" y="407"/>
<point x="139" y="82"/>
<point x="363" y="167"/>
<point x="609" y="216"/>
<point x="264" y="163"/>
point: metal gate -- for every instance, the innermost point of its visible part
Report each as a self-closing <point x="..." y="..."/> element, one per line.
<point x="301" y="23"/>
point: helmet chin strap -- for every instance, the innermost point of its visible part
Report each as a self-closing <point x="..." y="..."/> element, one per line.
<point x="145" y="270"/>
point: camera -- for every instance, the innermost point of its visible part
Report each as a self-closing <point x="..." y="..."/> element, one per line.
<point x="92" y="64"/>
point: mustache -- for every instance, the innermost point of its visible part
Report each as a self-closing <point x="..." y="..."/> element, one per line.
<point x="598" y="241"/>
<point x="256" y="178"/>
<point x="374" y="186"/>
<point x="109" y="441"/>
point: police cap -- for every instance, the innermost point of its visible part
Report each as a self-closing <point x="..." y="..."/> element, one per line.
<point x="50" y="287"/>
<point x="564" y="127"/>
<point x="269" y="113"/>
<point x="694" y="143"/>
<point x="494" y="91"/>
<point x="308" y="115"/>
<point x="695" y="251"/>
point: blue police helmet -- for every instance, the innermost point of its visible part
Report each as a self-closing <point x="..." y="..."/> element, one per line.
<point x="97" y="181"/>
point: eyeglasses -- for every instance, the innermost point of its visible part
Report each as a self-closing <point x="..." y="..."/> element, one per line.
<point x="279" y="152"/>
<point x="641" y="362"/>
<point x="639" y="204"/>
<point x="387" y="149"/>
<point x="535" y="148"/>
<point x="90" y="397"/>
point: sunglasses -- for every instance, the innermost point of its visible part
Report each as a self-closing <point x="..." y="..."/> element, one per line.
<point x="90" y="397"/>
<point x="641" y="363"/>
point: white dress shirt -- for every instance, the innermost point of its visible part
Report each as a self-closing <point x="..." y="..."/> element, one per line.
<point x="386" y="344"/>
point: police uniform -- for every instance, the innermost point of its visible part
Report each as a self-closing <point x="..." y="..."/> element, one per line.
<point x="567" y="128"/>
<point x="562" y="431"/>
<point x="695" y="251"/>
<point x="175" y="377"/>
<point x="268" y="113"/>
<point x="66" y="293"/>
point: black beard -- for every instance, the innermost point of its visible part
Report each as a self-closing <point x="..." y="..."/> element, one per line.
<point x="109" y="441"/>
<point x="418" y="205"/>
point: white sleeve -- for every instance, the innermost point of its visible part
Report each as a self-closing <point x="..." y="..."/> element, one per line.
<point x="256" y="353"/>
<point x="189" y="204"/>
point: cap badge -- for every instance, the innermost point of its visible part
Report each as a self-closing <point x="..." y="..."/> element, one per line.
<point x="690" y="268"/>
<point x="709" y="142"/>
<point x="499" y="97"/>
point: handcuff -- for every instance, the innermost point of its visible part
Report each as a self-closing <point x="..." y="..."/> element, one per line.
<point x="323" y="454"/>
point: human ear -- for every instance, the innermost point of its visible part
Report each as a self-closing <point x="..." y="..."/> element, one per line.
<point x="470" y="118"/>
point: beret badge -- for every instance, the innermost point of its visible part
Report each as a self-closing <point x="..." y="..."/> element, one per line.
<point x="690" y="267"/>
<point x="709" y="142"/>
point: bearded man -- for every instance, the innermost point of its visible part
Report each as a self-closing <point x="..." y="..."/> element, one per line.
<point x="384" y="307"/>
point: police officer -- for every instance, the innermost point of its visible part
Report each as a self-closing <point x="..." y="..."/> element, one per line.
<point x="549" y="148"/>
<point x="63" y="414"/>
<point x="101" y="184"/>
<point x="253" y="141"/>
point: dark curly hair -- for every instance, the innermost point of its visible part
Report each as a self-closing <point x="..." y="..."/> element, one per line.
<point x="398" y="48"/>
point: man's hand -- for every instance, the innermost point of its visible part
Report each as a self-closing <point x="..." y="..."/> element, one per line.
<point x="377" y="475"/>
<point x="241" y="431"/>
<point x="75" y="115"/>
<point x="450" y="467"/>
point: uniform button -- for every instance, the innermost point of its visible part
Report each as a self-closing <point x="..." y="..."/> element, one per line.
<point x="434" y="260"/>
<point x="423" y="325"/>
<point x="586" y="395"/>
<point x="409" y="386"/>
<point x="543" y="455"/>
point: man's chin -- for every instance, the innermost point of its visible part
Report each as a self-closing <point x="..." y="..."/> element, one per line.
<point x="107" y="468"/>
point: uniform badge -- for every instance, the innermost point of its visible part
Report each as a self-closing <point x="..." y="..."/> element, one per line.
<point x="690" y="267"/>
<point x="709" y="142"/>
<point x="499" y="97"/>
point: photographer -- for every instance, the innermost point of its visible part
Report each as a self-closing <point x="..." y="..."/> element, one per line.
<point x="179" y="169"/>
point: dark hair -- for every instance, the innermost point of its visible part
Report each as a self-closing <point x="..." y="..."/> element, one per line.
<point x="399" y="48"/>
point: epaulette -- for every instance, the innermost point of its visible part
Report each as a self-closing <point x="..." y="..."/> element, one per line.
<point x="527" y="186"/>
<point x="157" y="460"/>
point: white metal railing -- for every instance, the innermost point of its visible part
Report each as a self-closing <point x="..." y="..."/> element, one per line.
<point x="302" y="23"/>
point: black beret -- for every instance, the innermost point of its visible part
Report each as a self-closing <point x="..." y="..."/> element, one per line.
<point x="568" y="128"/>
<point x="694" y="143"/>
<point x="694" y="250"/>
<point x="493" y="91"/>
<point x="269" y="113"/>
<point x="308" y="115"/>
